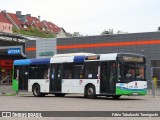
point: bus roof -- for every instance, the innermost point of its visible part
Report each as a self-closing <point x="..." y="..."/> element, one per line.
<point x="39" y="61"/>
<point x="110" y="56"/>
<point x="71" y="57"/>
<point x="80" y="57"/>
<point x="73" y="54"/>
<point x="22" y="62"/>
<point x="75" y="57"/>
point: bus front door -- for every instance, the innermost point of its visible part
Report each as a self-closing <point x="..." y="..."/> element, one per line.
<point x="23" y="78"/>
<point x="56" y="78"/>
<point x="106" y="79"/>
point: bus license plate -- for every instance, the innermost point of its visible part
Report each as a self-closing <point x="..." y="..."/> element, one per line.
<point x="135" y="93"/>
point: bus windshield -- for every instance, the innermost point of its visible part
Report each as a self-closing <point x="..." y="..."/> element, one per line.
<point x="131" y="72"/>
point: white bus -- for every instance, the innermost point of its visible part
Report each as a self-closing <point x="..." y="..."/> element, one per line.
<point x="110" y="75"/>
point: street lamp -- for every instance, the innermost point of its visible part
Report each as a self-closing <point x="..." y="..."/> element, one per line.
<point x="142" y="52"/>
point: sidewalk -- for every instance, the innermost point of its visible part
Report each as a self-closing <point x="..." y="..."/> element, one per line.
<point x="6" y="89"/>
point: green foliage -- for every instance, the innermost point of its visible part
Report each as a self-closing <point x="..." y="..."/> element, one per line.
<point x="34" y="32"/>
<point x="75" y="34"/>
<point x="15" y="30"/>
<point x="109" y="31"/>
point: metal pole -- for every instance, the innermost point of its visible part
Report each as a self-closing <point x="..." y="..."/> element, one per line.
<point x="153" y="89"/>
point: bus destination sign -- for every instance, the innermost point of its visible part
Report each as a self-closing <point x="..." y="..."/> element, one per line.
<point x="133" y="59"/>
<point x="95" y="57"/>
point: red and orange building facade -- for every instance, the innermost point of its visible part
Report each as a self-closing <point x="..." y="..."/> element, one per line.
<point x="147" y="43"/>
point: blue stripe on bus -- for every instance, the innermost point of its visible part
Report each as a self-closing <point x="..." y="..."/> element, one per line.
<point x="40" y="61"/>
<point x="124" y="88"/>
<point x="22" y="62"/>
<point x="78" y="59"/>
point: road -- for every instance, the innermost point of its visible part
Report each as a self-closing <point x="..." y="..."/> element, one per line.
<point x="78" y="103"/>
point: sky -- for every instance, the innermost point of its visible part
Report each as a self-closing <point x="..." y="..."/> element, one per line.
<point x="91" y="17"/>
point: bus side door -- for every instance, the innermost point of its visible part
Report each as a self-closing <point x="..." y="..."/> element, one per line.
<point x="56" y="78"/>
<point x="23" y="78"/>
<point x="108" y="77"/>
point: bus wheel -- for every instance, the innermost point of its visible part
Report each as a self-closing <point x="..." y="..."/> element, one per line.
<point x="108" y="96"/>
<point x="91" y="92"/>
<point x="59" y="94"/>
<point x="116" y="97"/>
<point x="36" y="91"/>
<point x="85" y="94"/>
<point x="43" y="94"/>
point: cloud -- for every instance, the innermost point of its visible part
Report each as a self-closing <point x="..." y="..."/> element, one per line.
<point x="92" y="16"/>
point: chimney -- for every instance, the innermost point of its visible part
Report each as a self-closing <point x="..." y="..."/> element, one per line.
<point x="4" y="11"/>
<point x="39" y="18"/>
<point x="18" y="13"/>
<point x="23" y="18"/>
<point x="28" y="15"/>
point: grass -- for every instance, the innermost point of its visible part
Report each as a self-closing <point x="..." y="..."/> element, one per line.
<point x="9" y="94"/>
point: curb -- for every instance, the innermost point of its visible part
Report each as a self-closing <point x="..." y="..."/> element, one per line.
<point x="9" y="94"/>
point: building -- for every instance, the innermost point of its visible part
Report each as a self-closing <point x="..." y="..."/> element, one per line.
<point x="5" y="24"/>
<point x="12" y="47"/>
<point x="60" y="32"/>
<point x="141" y="43"/>
<point x="25" y="22"/>
<point x="21" y="47"/>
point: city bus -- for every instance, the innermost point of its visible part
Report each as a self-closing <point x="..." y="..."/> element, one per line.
<point x="110" y="75"/>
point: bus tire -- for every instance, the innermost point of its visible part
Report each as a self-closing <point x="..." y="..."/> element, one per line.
<point x="91" y="92"/>
<point x="59" y="94"/>
<point x="108" y="96"/>
<point x="85" y="93"/>
<point x="116" y="96"/>
<point x="36" y="91"/>
<point x="43" y="95"/>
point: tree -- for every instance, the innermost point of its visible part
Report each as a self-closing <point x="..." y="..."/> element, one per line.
<point x="34" y="32"/>
<point x="109" y="31"/>
<point x="75" y="34"/>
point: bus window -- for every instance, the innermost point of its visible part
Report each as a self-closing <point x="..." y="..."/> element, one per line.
<point x="113" y="76"/>
<point x="38" y="72"/>
<point x="42" y="72"/>
<point x="78" y="72"/>
<point x="140" y="72"/>
<point x="16" y="72"/>
<point x="91" y="70"/>
<point x="133" y="72"/>
<point x="33" y="72"/>
<point x="112" y="68"/>
<point x="68" y="71"/>
<point x="53" y="70"/>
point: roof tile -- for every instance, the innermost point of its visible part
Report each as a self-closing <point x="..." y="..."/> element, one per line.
<point x="3" y="18"/>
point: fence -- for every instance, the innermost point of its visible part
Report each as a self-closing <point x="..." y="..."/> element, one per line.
<point x="5" y="85"/>
<point x="153" y="87"/>
<point x="5" y="80"/>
